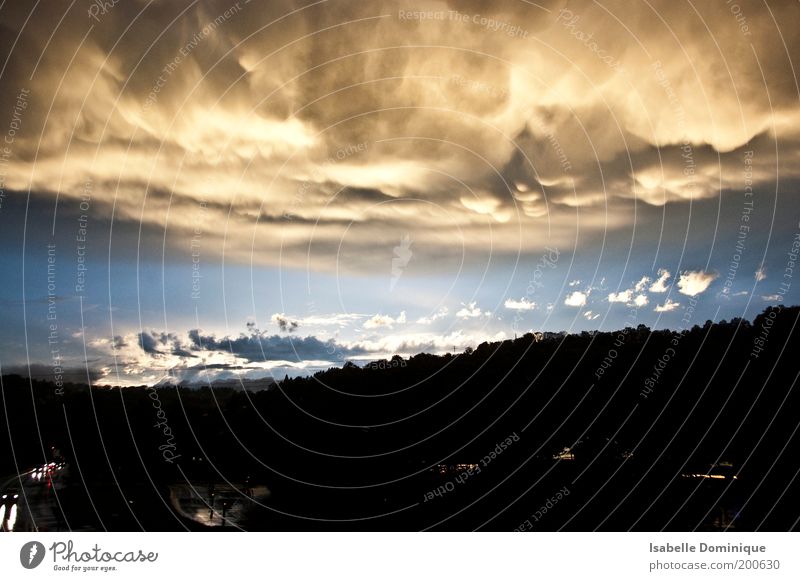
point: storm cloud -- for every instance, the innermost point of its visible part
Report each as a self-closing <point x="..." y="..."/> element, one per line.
<point x="275" y="127"/>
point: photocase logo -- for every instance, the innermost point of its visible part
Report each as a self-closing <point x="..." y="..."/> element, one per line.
<point x="31" y="554"/>
<point x="402" y="254"/>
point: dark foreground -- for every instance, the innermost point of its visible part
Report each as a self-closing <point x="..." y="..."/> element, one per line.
<point x="610" y="431"/>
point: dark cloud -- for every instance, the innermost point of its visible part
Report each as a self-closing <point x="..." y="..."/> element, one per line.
<point x="259" y="348"/>
<point x="285" y="324"/>
<point x="46" y="373"/>
<point x="158" y="343"/>
<point x="148" y="343"/>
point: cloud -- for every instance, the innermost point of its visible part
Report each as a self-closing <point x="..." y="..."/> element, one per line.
<point x="760" y="274"/>
<point x="522" y="304"/>
<point x="640" y="286"/>
<point x="148" y="357"/>
<point x="471" y="311"/>
<point x="257" y="347"/>
<point x="284" y="324"/>
<point x="660" y="285"/>
<point x="412" y="343"/>
<point x="668" y="306"/>
<point x="694" y="282"/>
<point x="379" y="321"/>
<point x="326" y="320"/>
<point x="590" y="316"/>
<point x="440" y="314"/>
<point x="627" y="296"/>
<point x="576" y="299"/>
<point x="776" y="298"/>
<point x="621" y="297"/>
<point x="241" y="130"/>
<point x="736" y="294"/>
<point x="575" y="282"/>
<point x="157" y="343"/>
<point x="148" y="343"/>
<point x="402" y="254"/>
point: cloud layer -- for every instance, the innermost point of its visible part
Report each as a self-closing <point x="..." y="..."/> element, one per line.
<point x="291" y="133"/>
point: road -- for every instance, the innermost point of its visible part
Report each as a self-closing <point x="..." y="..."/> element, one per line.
<point x="30" y="500"/>
<point x="222" y="505"/>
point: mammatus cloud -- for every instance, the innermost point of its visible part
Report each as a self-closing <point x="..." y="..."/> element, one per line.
<point x="694" y="282"/>
<point x="576" y="299"/>
<point x="522" y="304"/>
<point x="668" y="306"/>
<point x="660" y="285"/>
<point x="287" y="134"/>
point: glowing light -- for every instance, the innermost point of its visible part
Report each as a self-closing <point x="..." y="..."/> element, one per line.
<point x="12" y="517"/>
<point x="712" y="476"/>
<point x="565" y="454"/>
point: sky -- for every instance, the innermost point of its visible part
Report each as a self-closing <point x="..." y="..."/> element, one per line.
<point x="200" y="190"/>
